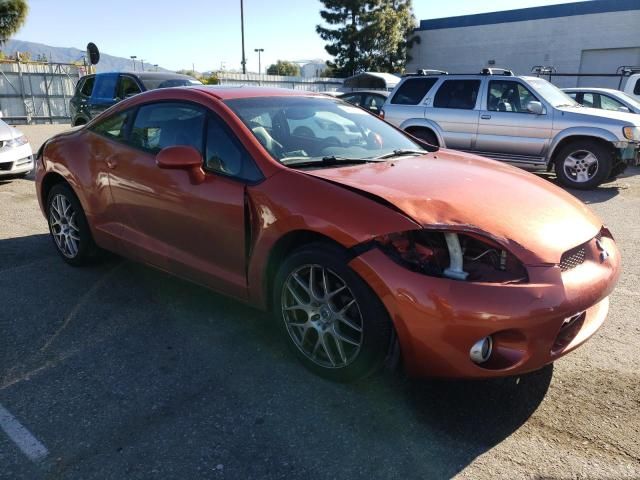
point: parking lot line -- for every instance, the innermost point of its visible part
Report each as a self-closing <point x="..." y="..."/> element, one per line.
<point x="26" y="442"/>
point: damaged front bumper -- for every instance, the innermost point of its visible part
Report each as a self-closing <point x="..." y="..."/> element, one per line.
<point x="438" y="320"/>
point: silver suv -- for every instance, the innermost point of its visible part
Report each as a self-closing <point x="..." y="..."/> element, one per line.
<point x="525" y="121"/>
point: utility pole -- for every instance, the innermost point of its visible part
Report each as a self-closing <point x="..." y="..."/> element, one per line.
<point x="244" y="61"/>
<point x="259" y="50"/>
<point x="142" y="65"/>
<point x="156" y="66"/>
<point x="133" y="60"/>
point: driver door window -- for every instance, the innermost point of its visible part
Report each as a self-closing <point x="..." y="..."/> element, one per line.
<point x="508" y="96"/>
<point x="160" y="125"/>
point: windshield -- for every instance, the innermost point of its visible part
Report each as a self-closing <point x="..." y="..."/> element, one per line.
<point x="551" y="93"/>
<point x="629" y="99"/>
<point x="308" y="130"/>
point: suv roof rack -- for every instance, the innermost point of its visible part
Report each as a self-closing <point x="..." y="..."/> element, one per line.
<point x="425" y="71"/>
<point x="497" y="71"/>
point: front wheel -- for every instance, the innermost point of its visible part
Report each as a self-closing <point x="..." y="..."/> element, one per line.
<point x="331" y="319"/>
<point x="583" y="164"/>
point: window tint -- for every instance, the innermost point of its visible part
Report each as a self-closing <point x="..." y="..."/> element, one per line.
<point x="413" y="90"/>
<point x="507" y="96"/>
<point x="636" y="90"/>
<point x="589" y="100"/>
<point x="161" y="125"/>
<point x="113" y="127"/>
<point x="105" y="87"/>
<point x="127" y="87"/>
<point x="608" y="103"/>
<point x="224" y="154"/>
<point x="87" y="87"/>
<point x="460" y="94"/>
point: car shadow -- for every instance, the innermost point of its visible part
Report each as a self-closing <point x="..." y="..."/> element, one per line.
<point x="600" y="194"/>
<point x="192" y="355"/>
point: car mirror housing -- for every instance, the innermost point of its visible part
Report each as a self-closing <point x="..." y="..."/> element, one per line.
<point x="535" y="107"/>
<point x="182" y="157"/>
<point x="624" y="109"/>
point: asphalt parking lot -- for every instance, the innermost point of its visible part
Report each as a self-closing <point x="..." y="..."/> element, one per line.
<point x="120" y="371"/>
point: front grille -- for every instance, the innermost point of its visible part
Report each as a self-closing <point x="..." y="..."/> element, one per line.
<point x="572" y="258"/>
<point x="6" y="166"/>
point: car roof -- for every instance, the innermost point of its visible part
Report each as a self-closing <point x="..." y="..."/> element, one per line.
<point x="589" y="89"/>
<point x="230" y="92"/>
<point x="148" y="75"/>
<point x="384" y="93"/>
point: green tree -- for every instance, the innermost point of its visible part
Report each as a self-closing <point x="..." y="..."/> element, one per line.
<point x="191" y="73"/>
<point x="283" y="67"/>
<point x="346" y="20"/>
<point x="389" y="36"/>
<point x="372" y="35"/>
<point x="13" y="14"/>
<point x="211" y="80"/>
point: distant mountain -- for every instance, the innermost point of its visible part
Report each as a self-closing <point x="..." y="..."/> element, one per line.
<point x="108" y="63"/>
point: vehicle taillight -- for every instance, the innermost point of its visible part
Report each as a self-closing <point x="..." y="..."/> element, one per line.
<point x="382" y="114"/>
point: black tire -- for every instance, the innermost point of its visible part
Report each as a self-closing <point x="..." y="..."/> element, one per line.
<point x="425" y="135"/>
<point x="85" y="251"/>
<point x="376" y="330"/>
<point x="595" y="173"/>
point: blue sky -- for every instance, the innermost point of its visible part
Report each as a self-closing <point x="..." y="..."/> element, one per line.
<point x="177" y="33"/>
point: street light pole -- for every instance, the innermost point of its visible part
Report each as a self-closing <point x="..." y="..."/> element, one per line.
<point x="259" y="50"/>
<point x="244" y="61"/>
<point x="142" y="65"/>
<point x="133" y="60"/>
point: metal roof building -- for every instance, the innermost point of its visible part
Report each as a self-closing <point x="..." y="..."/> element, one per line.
<point x="595" y="36"/>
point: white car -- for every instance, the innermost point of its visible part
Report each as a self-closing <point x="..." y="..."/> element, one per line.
<point x="604" y="98"/>
<point x="16" y="157"/>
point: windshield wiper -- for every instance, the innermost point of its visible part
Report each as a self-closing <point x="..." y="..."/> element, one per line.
<point x="329" y="161"/>
<point x="401" y="153"/>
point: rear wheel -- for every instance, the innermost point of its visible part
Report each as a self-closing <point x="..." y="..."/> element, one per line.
<point x="583" y="164"/>
<point x="331" y="319"/>
<point x="68" y="226"/>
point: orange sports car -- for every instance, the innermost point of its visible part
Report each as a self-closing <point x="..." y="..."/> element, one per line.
<point x="367" y="244"/>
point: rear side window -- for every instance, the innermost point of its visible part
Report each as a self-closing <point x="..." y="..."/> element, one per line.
<point x="105" y="87"/>
<point x="112" y="127"/>
<point x="413" y="90"/>
<point x="161" y="125"/>
<point x="87" y="87"/>
<point x="127" y="87"/>
<point x="459" y="94"/>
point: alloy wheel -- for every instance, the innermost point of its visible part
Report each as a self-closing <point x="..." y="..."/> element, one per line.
<point x="65" y="231"/>
<point x="322" y="316"/>
<point x="581" y="166"/>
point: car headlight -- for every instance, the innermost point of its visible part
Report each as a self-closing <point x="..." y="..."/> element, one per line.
<point x="458" y="256"/>
<point x="631" y="133"/>
<point x="16" y="142"/>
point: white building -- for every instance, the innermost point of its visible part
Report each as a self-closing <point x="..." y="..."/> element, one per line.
<point x="595" y="36"/>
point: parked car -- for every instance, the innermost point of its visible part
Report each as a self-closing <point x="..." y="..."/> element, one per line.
<point x="372" y="100"/>
<point x="632" y="86"/>
<point x="604" y="98"/>
<point x="525" y="121"/>
<point x="363" y="251"/>
<point x="16" y="159"/>
<point x="95" y="93"/>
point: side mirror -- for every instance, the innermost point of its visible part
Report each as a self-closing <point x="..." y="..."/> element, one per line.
<point x="182" y="157"/>
<point x="535" y="107"/>
<point x="624" y="109"/>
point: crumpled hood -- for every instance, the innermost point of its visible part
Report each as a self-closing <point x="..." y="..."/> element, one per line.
<point x="531" y="217"/>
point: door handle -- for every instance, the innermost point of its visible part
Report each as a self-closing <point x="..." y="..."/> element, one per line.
<point x="485" y="117"/>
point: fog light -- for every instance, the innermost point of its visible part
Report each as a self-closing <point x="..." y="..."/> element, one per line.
<point x="481" y="350"/>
